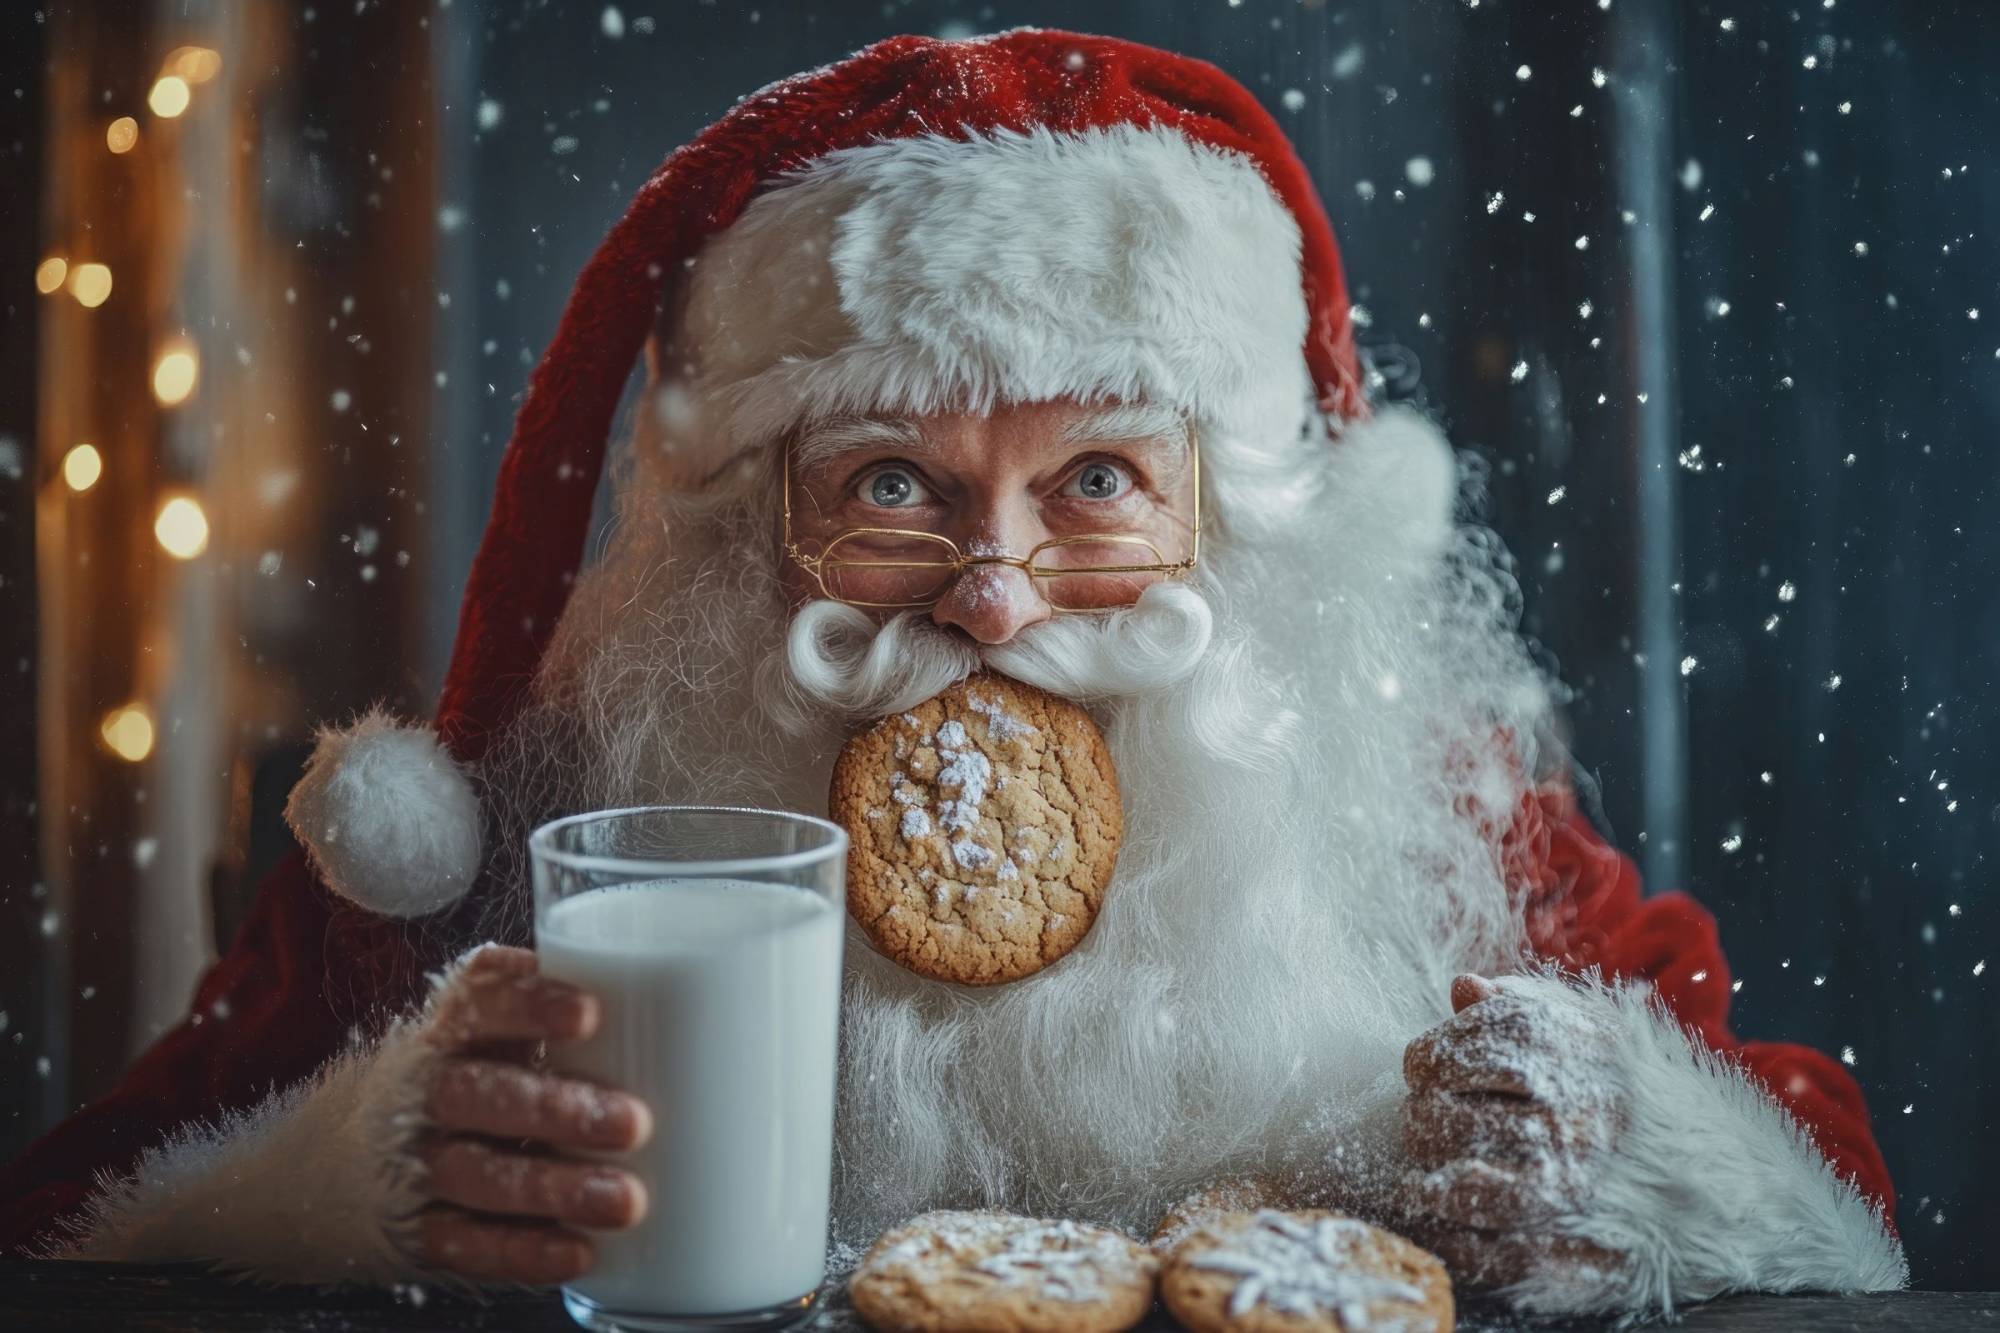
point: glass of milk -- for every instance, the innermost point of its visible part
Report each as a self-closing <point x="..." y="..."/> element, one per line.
<point x="712" y="938"/>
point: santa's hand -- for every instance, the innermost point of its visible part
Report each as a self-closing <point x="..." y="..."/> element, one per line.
<point x="1512" y="1104"/>
<point x="505" y="1199"/>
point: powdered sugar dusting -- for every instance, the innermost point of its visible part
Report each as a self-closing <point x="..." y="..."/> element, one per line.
<point x="1051" y="1260"/>
<point x="1001" y="725"/>
<point x="1302" y="1266"/>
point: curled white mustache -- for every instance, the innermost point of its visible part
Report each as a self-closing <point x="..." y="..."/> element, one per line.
<point x="837" y="658"/>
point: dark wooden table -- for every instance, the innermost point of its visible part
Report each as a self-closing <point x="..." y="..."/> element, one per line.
<point x="38" y="1296"/>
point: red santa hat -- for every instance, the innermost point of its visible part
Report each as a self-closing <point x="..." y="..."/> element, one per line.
<point x="927" y="223"/>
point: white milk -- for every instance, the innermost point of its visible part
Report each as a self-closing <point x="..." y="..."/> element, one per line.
<point x="721" y="1002"/>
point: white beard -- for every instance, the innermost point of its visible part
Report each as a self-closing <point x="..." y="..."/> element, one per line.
<point x="1297" y="736"/>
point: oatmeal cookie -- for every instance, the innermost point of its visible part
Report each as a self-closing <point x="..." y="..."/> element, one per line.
<point x="984" y="826"/>
<point x="1303" y="1272"/>
<point x="984" y="1272"/>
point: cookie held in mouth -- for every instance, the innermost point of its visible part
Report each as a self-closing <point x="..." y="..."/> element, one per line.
<point x="985" y="825"/>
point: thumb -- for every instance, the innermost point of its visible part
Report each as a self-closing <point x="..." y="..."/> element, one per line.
<point x="1468" y="989"/>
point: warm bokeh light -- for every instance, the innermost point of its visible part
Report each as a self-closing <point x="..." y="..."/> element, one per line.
<point x="169" y="96"/>
<point x="90" y="284"/>
<point x="121" y="134"/>
<point x="129" y="732"/>
<point x="195" y="64"/>
<point x="82" y="466"/>
<point x="49" y="274"/>
<point x="174" y="374"/>
<point x="182" y="528"/>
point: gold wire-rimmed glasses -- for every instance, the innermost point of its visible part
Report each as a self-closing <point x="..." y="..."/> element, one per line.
<point x="899" y="569"/>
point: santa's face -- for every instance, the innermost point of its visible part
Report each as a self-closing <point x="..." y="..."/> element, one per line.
<point x="885" y="501"/>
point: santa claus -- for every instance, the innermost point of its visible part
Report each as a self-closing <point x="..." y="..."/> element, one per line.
<point x="1003" y="291"/>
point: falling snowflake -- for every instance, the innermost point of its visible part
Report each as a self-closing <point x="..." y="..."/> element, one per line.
<point x="1556" y="495"/>
<point x="1420" y="171"/>
<point x="1519" y="373"/>
<point x="1688" y="664"/>
<point x="1788" y="591"/>
<point x="1847" y="1055"/>
<point x="1293" y="100"/>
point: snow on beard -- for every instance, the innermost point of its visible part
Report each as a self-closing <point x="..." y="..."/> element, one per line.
<point x="1295" y="888"/>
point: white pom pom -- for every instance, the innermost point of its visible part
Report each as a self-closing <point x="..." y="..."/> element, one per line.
<point x="1396" y="486"/>
<point x="387" y="817"/>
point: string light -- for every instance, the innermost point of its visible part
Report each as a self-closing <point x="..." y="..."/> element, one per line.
<point x="82" y="466"/>
<point x="182" y="528"/>
<point x="121" y="134"/>
<point x="195" y="64"/>
<point x="175" y="372"/>
<point x="129" y="732"/>
<point x="90" y="284"/>
<point x="169" y="96"/>
<point x="49" y="274"/>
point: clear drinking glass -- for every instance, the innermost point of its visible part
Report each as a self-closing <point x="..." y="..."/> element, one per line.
<point x="712" y="938"/>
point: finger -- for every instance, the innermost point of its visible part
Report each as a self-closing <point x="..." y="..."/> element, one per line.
<point x="1474" y="1258"/>
<point x="486" y="1179"/>
<point x="1484" y="1197"/>
<point x="493" y="1005"/>
<point x="487" y="1250"/>
<point x="1468" y="989"/>
<point x="1488" y="1259"/>
<point x="1441" y="1126"/>
<point x="501" y="960"/>
<point x="509" y="1102"/>
<point x="1477" y="1051"/>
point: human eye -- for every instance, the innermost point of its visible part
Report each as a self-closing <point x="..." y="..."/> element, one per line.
<point x="894" y="487"/>
<point x="1099" y="480"/>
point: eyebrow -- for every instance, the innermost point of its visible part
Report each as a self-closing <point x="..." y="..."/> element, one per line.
<point x="828" y="438"/>
<point x="1128" y="421"/>
<point x="824" y="441"/>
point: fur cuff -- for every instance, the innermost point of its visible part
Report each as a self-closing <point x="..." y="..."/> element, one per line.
<point x="316" y="1184"/>
<point x="1713" y="1187"/>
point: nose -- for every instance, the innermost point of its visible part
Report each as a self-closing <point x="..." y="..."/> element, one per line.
<point x="992" y="603"/>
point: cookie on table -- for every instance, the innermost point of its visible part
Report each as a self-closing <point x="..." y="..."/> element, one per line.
<point x="986" y="1272"/>
<point x="984" y="826"/>
<point x="1310" y="1271"/>
<point x="1238" y="1194"/>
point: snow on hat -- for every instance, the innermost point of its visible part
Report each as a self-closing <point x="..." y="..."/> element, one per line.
<point x="927" y="223"/>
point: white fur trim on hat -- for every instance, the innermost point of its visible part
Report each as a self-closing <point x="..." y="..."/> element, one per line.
<point x="387" y="817"/>
<point x="929" y="274"/>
